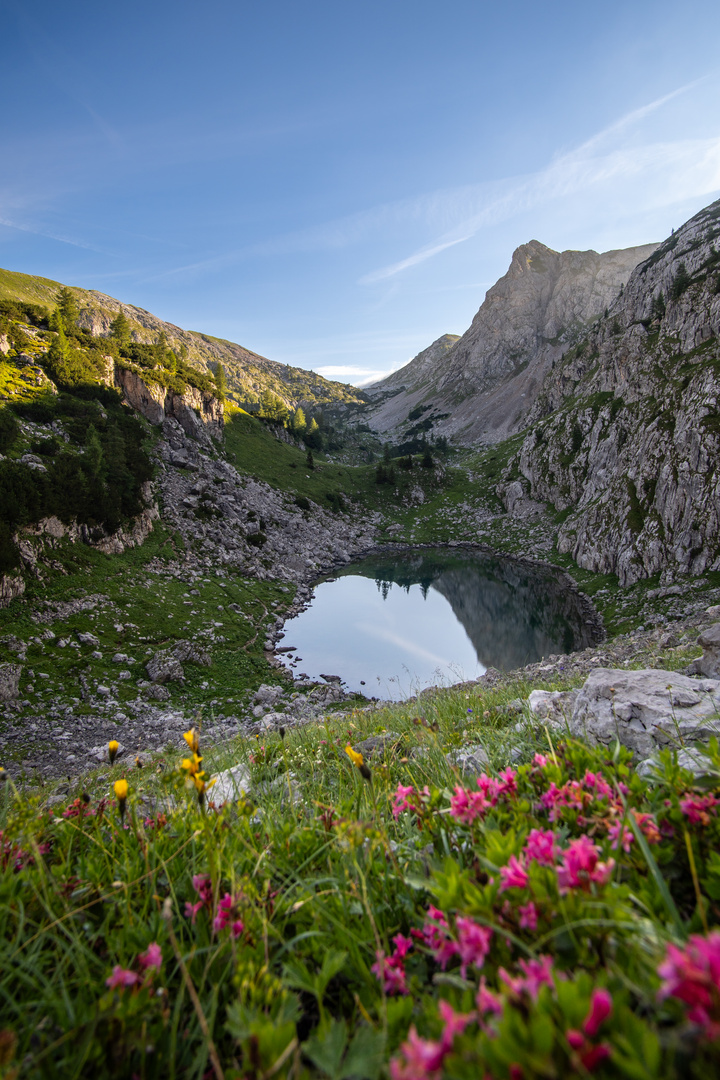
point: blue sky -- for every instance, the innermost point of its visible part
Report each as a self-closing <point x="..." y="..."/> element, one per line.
<point x="335" y="185"/>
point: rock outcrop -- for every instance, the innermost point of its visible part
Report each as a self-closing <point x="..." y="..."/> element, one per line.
<point x="646" y="710"/>
<point x="626" y="431"/>
<point x="198" y="412"/>
<point x="489" y="379"/>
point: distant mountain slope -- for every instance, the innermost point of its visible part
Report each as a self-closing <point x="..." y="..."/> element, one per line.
<point x="247" y="373"/>
<point x="488" y="380"/>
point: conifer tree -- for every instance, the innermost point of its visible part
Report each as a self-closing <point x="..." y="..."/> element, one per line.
<point x="67" y="309"/>
<point x="220" y="381"/>
<point x="120" y="329"/>
<point x="299" y="423"/>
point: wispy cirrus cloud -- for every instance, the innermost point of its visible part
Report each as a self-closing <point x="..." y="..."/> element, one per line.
<point x="656" y="172"/>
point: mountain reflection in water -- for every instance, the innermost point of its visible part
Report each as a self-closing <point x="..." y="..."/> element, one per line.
<point x="513" y="613"/>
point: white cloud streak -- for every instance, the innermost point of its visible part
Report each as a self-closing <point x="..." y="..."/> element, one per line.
<point x="668" y="172"/>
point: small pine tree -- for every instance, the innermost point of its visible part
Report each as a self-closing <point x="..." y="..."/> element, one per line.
<point x="93" y="456"/>
<point x="120" y="329"/>
<point x="658" y="306"/>
<point x="67" y="309"/>
<point x="299" y="422"/>
<point x="427" y="461"/>
<point x="310" y="460"/>
<point x="680" y="282"/>
<point x="312" y="435"/>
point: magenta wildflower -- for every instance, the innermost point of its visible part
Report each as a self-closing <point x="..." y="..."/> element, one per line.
<point x="391" y="969"/>
<point x="555" y="798"/>
<point x="535" y="973"/>
<point x="692" y="975"/>
<point x="226" y="909"/>
<point x="152" y="957"/>
<point x="423" y="1059"/>
<point x="540" y="847"/>
<point x="514" y="875"/>
<point x="528" y="917"/>
<point x="491" y="788"/>
<point x="487" y="1001"/>
<point x="436" y="937"/>
<point x="590" y="1056"/>
<point x="508" y="785"/>
<point x="455" y="1023"/>
<point x="121" y="978"/>
<point x="580" y="866"/>
<point x="614" y="831"/>
<point x="597" y="784"/>
<point x="466" y="806"/>
<point x="203" y="887"/>
<point x="473" y="943"/>
<point x="601" y="1007"/>
<point x="540" y="760"/>
<point x="696" y="808"/>
<point x="649" y="828"/>
<point x="401" y="801"/>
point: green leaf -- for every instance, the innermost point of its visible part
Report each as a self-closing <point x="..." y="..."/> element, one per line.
<point x="364" y="1058"/>
<point x="658" y="878"/>
<point x="333" y="962"/>
<point x="296" y="974"/>
<point x="325" y="1048"/>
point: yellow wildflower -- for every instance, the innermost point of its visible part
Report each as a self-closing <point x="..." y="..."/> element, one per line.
<point x="120" y="787"/>
<point x="192" y="738"/>
<point x="191" y="765"/>
<point x="358" y="761"/>
<point x="354" y="755"/>
<point x="113" y="747"/>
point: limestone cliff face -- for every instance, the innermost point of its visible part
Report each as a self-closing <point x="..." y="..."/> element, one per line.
<point x="626" y="434"/>
<point x="198" y="413"/>
<point x="490" y="378"/>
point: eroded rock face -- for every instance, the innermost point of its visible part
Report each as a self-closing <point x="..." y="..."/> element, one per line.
<point x="626" y="433"/>
<point x="489" y="379"/>
<point x="198" y="412"/>
<point x="646" y="710"/>
<point x="10" y="588"/>
<point x="9" y="681"/>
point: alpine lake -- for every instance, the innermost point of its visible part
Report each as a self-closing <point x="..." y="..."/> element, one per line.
<point x="397" y="622"/>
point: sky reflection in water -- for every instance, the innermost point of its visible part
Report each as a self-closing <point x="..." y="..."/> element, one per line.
<point x="403" y="623"/>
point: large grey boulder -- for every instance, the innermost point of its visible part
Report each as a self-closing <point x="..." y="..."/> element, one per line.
<point x="709" y="662"/>
<point x="646" y="710"/>
<point x="268" y="695"/>
<point x="167" y="664"/>
<point x="471" y="761"/>
<point x="9" y="681"/>
<point x="230" y="784"/>
<point x="190" y="653"/>
<point x="165" y="667"/>
<point x="555" y="706"/>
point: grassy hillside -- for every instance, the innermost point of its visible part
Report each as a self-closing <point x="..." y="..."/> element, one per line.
<point x="25" y="287"/>
<point x="248" y="374"/>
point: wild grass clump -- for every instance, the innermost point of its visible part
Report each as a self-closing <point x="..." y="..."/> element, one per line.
<point x="356" y="915"/>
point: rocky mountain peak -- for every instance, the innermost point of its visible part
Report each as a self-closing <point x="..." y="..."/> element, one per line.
<point x="489" y="379"/>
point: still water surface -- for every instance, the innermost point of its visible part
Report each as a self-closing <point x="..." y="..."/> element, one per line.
<point x="390" y="626"/>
